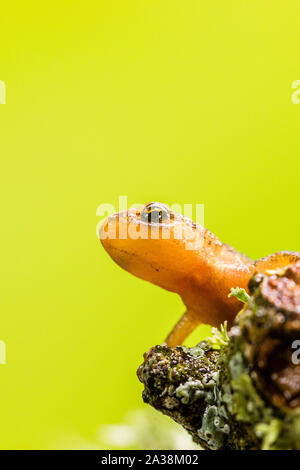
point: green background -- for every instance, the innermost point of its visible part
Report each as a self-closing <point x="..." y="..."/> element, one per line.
<point x="177" y="101"/>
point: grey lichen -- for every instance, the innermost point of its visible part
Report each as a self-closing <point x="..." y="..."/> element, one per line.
<point x="180" y="382"/>
<point x="214" y="427"/>
<point x="191" y="391"/>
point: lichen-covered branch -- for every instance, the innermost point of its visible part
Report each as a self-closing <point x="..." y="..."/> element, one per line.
<point x="241" y="392"/>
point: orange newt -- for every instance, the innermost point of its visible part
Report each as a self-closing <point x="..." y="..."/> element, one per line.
<point x="171" y="251"/>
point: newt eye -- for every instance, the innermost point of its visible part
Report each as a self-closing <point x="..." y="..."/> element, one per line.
<point x="155" y="213"/>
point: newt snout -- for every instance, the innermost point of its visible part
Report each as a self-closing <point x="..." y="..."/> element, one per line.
<point x="165" y="248"/>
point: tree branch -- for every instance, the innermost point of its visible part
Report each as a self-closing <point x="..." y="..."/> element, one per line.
<point x="241" y="392"/>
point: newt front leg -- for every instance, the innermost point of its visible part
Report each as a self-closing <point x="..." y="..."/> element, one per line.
<point x="169" y="250"/>
<point x="183" y="328"/>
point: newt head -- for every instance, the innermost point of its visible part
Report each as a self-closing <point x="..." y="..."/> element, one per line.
<point x="153" y="243"/>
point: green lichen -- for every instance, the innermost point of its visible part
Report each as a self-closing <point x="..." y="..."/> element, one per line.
<point x="245" y="403"/>
<point x="239" y="294"/>
<point x="219" y="337"/>
<point x="269" y="433"/>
